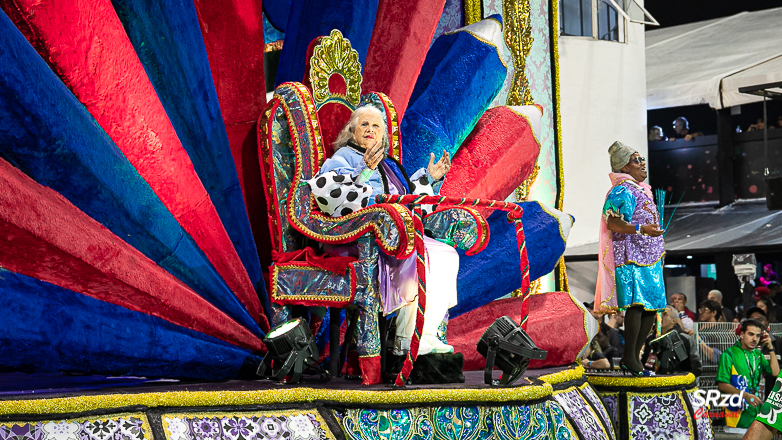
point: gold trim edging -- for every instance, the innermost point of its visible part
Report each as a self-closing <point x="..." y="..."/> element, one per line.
<point x="267" y="397"/>
<point x="75" y="404"/>
<point x="554" y="33"/>
<point x="473" y="11"/>
<point x="563" y="376"/>
<point x="641" y="382"/>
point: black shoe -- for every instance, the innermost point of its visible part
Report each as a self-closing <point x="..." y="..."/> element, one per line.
<point x="642" y="373"/>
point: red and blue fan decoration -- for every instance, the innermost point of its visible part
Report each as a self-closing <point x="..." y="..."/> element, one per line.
<point x="133" y="237"/>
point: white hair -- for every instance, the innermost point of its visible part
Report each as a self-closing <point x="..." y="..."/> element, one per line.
<point x="716" y="293"/>
<point x="673" y="314"/>
<point x="346" y="133"/>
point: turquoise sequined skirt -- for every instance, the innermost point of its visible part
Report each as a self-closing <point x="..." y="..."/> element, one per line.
<point x="640" y="285"/>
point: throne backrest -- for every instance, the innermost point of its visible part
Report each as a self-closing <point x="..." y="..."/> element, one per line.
<point x="333" y="75"/>
<point x="299" y="125"/>
<point x="289" y="149"/>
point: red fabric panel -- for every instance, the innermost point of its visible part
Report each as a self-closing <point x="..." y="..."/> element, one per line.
<point x="85" y="44"/>
<point x="370" y="370"/>
<point x="400" y="40"/>
<point x="334" y="264"/>
<point x="332" y="117"/>
<point x="233" y="35"/>
<point x="555" y="323"/>
<point x="501" y="141"/>
<point x="44" y="236"/>
<point x="243" y="138"/>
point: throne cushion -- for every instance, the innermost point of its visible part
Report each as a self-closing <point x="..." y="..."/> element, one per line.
<point x="339" y="194"/>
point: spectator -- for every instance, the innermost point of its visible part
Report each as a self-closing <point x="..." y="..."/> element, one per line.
<point x="617" y="320"/>
<point x="709" y="311"/>
<point x="656" y="134"/>
<point x="610" y="343"/>
<point x="769" y="275"/>
<point x="594" y="357"/>
<point x="600" y="317"/>
<point x="679" y="301"/>
<point x="741" y="366"/>
<point x="775" y="292"/>
<point x="716" y="295"/>
<point x="670" y="322"/>
<point x="681" y="129"/>
<point x="779" y="121"/>
<point x="757" y="126"/>
<point x="769" y="308"/>
<point x="757" y="314"/>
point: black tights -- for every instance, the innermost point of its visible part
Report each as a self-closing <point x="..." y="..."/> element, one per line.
<point x="638" y="324"/>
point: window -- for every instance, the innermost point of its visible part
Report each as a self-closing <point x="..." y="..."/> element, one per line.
<point x="600" y="19"/>
<point x="609" y="22"/>
<point x="575" y="18"/>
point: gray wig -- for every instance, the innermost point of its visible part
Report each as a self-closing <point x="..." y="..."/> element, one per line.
<point x="346" y="133"/>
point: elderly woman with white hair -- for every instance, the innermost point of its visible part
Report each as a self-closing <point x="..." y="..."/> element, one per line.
<point x="630" y="275"/>
<point x="349" y="180"/>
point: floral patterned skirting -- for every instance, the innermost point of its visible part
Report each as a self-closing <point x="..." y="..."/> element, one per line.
<point x="655" y="415"/>
<point x="544" y="420"/>
<point x="585" y="417"/>
<point x="256" y="425"/>
<point x="131" y="426"/>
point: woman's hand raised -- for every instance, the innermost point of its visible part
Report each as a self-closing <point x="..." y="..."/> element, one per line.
<point x="439" y="169"/>
<point x="374" y="154"/>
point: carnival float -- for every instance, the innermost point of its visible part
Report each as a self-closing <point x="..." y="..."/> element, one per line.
<point x="159" y="238"/>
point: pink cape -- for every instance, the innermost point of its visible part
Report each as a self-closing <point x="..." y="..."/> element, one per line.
<point x="605" y="290"/>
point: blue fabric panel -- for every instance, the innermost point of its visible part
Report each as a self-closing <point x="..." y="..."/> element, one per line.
<point x="47" y="133"/>
<point x="501" y="258"/>
<point x="50" y="329"/>
<point x="309" y="19"/>
<point x="167" y="37"/>
<point x="458" y="81"/>
<point x="399" y="174"/>
<point x="270" y="33"/>
<point x="276" y="12"/>
<point x="545" y="244"/>
<point x="640" y="285"/>
<point x="621" y="201"/>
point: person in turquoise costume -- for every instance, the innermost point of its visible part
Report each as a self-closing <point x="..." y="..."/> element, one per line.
<point x="630" y="275"/>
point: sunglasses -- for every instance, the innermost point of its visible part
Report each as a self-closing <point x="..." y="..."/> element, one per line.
<point x="637" y="160"/>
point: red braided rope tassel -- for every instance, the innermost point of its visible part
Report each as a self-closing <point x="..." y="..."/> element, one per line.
<point x="514" y="214"/>
<point x="420" y="264"/>
<point x="450" y="201"/>
<point x="525" y="283"/>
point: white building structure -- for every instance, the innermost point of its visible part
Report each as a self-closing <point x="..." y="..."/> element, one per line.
<point x="603" y="99"/>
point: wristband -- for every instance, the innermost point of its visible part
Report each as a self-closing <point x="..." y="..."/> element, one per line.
<point x="638" y="230"/>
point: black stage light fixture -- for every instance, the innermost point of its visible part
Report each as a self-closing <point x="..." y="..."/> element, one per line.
<point x="670" y="351"/>
<point x="508" y="346"/>
<point x="292" y="350"/>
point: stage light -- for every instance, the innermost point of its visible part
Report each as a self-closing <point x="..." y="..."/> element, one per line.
<point x="670" y="351"/>
<point x="292" y="350"/>
<point x="508" y="346"/>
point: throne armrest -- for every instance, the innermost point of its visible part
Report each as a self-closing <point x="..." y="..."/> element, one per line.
<point x="391" y="225"/>
<point x="514" y="212"/>
<point x="464" y="228"/>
